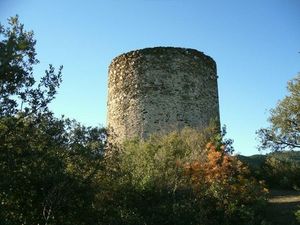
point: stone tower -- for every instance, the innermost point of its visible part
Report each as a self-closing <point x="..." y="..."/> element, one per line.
<point x="161" y="89"/>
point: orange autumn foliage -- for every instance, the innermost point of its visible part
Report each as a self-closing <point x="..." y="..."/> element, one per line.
<point x="225" y="178"/>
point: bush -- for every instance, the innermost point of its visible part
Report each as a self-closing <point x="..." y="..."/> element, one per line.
<point x="278" y="169"/>
<point x="239" y="197"/>
<point x="154" y="161"/>
<point x="149" y="186"/>
<point x="282" y="170"/>
<point x="180" y="179"/>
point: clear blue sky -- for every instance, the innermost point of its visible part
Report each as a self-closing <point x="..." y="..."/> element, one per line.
<point x="255" y="44"/>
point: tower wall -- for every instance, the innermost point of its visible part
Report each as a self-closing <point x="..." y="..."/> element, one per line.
<point x="161" y="89"/>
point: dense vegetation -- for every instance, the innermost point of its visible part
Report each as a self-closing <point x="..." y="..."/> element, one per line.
<point x="57" y="171"/>
<point x="47" y="164"/>
<point x="278" y="169"/>
<point x="188" y="177"/>
<point x="281" y="172"/>
<point x="283" y="169"/>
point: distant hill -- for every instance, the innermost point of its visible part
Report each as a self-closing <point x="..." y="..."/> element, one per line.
<point x="288" y="156"/>
<point x="253" y="161"/>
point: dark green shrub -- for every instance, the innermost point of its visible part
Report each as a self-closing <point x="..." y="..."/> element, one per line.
<point x="176" y="179"/>
<point x="282" y="170"/>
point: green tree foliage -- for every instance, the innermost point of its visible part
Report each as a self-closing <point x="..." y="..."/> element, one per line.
<point x="284" y="132"/>
<point x="47" y="165"/>
<point x="17" y="57"/>
<point x="47" y="171"/>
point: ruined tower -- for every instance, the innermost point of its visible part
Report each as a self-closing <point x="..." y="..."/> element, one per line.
<point x="161" y="89"/>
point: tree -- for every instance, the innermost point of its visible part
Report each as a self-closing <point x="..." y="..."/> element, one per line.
<point x="47" y="171"/>
<point x="18" y="91"/>
<point x="47" y="164"/>
<point x="284" y="130"/>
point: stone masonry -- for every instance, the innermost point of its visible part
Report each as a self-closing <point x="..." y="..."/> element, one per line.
<point x="161" y="89"/>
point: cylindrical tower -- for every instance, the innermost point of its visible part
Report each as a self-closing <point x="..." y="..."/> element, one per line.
<point x="161" y="89"/>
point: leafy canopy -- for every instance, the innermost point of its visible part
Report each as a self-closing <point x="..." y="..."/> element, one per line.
<point x="284" y="130"/>
<point x="17" y="84"/>
<point x="47" y="164"/>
